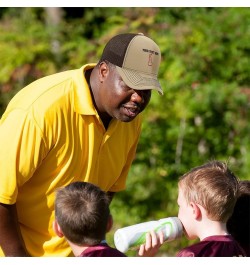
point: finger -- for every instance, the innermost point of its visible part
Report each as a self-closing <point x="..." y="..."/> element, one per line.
<point x="154" y="239"/>
<point x="141" y="250"/>
<point x="148" y="242"/>
<point x="161" y="237"/>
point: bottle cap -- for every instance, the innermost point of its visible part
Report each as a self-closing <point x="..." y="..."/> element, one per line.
<point x="121" y="242"/>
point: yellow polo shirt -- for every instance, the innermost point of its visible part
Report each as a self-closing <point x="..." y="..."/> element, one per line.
<point x="51" y="135"/>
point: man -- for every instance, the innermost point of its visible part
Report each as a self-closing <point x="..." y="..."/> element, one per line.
<point x="78" y="125"/>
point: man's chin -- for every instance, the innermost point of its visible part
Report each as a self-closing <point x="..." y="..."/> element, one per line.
<point x="125" y="118"/>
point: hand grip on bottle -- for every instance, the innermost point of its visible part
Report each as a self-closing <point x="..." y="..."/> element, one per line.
<point x="135" y="235"/>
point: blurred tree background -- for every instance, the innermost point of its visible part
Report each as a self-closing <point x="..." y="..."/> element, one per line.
<point x="205" y="73"/>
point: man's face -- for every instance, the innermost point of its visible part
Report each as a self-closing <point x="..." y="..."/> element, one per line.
<point x="120" y="101"/>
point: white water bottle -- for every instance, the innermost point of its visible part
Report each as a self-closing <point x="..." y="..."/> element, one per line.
<point x="135" y="235"/>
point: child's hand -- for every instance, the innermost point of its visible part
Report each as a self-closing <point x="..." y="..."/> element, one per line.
<point x="152" y="244"/>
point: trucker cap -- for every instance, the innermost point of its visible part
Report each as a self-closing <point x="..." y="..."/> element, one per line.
<point x="137" y="59"/>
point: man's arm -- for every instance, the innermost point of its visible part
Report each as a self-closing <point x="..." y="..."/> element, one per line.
<point x="11" y="240"/>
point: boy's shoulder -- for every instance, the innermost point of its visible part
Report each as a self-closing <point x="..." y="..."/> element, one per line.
<point x="213" y="246"/>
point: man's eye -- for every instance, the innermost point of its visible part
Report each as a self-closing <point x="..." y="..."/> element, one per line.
<point x="146" y="92"/>
<point x="125" y="87"/>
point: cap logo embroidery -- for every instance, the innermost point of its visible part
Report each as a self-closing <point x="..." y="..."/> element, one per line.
<point x="150" y="56"/>
<point x="150" y="59"/>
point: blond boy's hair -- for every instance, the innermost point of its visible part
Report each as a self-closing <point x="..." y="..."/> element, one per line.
<point x="214" y="187"/>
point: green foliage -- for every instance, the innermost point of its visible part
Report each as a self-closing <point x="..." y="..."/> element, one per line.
<point x="203" y="114"/>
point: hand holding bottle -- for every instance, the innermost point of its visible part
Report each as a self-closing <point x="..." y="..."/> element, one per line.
<point x="153" y="243"/>
<point x="135" y="235"/>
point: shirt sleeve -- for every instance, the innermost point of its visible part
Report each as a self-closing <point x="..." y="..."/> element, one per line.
<point x="22" y="150"/>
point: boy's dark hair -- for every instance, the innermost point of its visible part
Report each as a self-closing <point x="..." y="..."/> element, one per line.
<point x="82" y="211"/>
<point x="238" y="224"/>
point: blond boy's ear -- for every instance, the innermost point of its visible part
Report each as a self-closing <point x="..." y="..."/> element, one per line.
<point x="197" y="213"/>
<point x="57" y="229"/>
<point x="110" y="223"/>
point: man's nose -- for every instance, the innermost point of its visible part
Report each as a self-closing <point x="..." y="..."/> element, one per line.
<point x="138" y="96"/>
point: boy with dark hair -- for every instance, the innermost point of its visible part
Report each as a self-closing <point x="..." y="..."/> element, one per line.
<point x="82" y="216"/>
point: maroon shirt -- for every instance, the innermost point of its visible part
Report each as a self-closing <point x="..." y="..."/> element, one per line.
<point x="102" y="250"/>
<point x="214" y="246"/>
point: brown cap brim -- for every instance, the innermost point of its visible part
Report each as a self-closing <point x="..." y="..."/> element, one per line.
<point x="139" y="80"/>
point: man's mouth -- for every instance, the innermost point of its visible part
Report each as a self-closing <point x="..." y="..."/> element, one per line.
<point x="131" y="110"/>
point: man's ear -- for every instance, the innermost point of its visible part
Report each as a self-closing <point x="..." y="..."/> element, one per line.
<point x="196" y="210"/>
<point x="103" y="71"/>
<point x="57" y="229"/>
<point x="110" y="223"/>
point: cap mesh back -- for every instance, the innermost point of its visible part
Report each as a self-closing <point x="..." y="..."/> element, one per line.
<point x="115" y="49"/>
